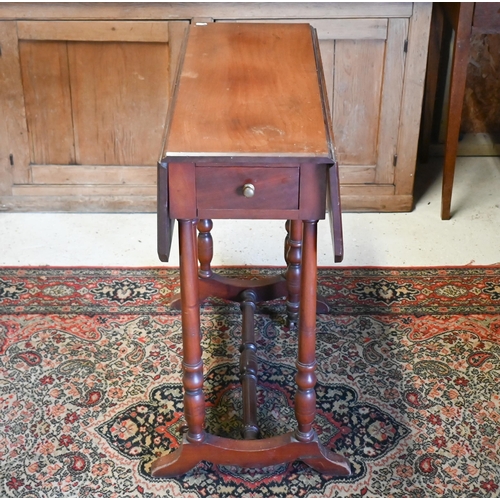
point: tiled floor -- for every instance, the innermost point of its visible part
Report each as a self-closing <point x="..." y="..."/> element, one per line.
<point x="419" y="238"/>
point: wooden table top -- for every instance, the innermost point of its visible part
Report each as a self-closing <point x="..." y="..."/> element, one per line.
<point x="249" y="89"/>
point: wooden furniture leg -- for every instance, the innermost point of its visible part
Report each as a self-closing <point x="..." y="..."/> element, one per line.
<point x="205" y="247"/>
<point x="197" y="445"/>
<point x="460" y="16"/>
<point x="249" y="367"/>
<point x="293" y="259"/>
<point x="194" y="400"/>
<point x="431" y="80"/>
<point x="305" y="399"/>
<point x="323" y="459"/>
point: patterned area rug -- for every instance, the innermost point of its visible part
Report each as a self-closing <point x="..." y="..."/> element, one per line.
<point x="408" y="377"/>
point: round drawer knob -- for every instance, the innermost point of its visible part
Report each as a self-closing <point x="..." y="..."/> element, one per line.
<point x="248" y="190"/>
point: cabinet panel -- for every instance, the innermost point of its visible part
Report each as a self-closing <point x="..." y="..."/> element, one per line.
<point x="95" y="103"/>
<point x="119" y="97"/>
<point x="358" y="74"/>
<point x="47" y="97"/>
<point x="94" y="95"/>
<point x="364" y="70"/>
<point x="14" y="148"/>
<point x="97" y="31"/>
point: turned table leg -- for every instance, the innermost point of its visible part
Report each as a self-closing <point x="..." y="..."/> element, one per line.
<point x="293" y="258"/>
<point x="205" y="247"/>
<point x="198" y="445"/>
<point x="194" y="400"/>
<point x="293" y="255"/>
<point x="305" y="398"/>
<point x="249" y="367"/>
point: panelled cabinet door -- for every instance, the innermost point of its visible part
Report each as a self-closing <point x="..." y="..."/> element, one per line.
<point x="364" y="62"/>
<point x="94" y="96"/>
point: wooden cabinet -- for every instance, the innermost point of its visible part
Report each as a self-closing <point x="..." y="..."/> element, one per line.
<point x="86" y="104"/>
<point x="87" y="91"/>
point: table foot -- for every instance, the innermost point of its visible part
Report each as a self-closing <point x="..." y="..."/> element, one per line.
<point x="250" y="454"/>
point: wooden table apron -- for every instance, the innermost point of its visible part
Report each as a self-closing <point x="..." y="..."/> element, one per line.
<point x="253" y="167"/>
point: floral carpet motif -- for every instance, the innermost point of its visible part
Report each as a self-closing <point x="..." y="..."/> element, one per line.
<point x="408" y="376"/>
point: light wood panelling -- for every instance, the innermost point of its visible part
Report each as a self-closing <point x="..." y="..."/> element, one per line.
<point x="352" y="29"/>
<point x="373" y="190"/>
<point x="70" y="203"/>
<point x="354" y="174"/>
<point x="14" y="151"/>
<point x="390" y="109"/>
<point x="338" y="29"/>
<point x="91" y="174"/>
<point x="359" y="66"/>
<point x="413" y="90"/>
<point x="48" y="101"/>
<point x="185" y="10"/>
<point x="376" y="203"/>
<point x="95" y="31"/>
<point x="83" y="190"/>
<point x="177" y="32"/>
<point x="119" y="93"/>
<point x="327" y="49"/>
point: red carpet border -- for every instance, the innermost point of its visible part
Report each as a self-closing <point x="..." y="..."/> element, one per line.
<point x="408" y="377"/>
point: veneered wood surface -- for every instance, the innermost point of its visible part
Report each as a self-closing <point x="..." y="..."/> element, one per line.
<point x="248" y="90"/>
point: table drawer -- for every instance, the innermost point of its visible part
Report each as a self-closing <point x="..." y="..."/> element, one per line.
<point x="222" y="188"/>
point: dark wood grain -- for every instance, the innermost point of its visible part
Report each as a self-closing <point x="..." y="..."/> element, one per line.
<point x="461" y="17"/>
<point x="182" y="191"/>
<point x="486" y="17"/>
<point x="305" y="398"/>
<point x="192" y="364"/>
<point x="165" y="225"/>
<point x="248" y="366"/>
<point x="293" y="260"/>
<point x="222" y="188"/>
<point x="205" y="247"/>
<point x="335" y="212"/>
<point x="251" y="453"/>
<point x="238" y="94"/>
